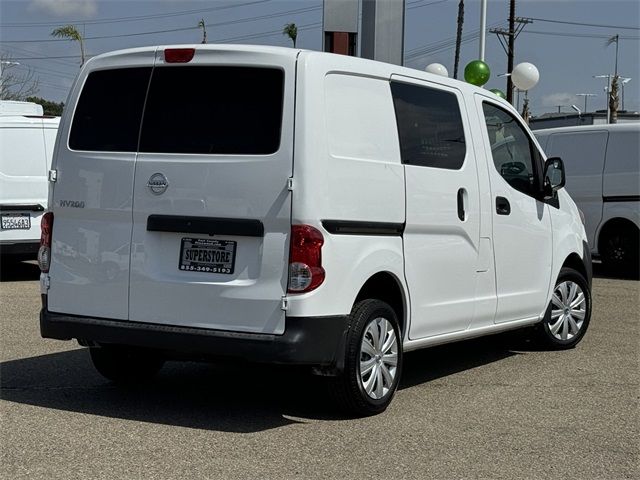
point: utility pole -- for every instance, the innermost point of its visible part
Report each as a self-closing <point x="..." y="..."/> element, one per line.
<point x="510" y="53"/>
<point x="507" y="39"/>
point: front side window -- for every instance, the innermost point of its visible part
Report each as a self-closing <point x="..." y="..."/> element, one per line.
<point x="511" y="149"/>
<point x="429" y="126"/>
<point x="213" y="110"/>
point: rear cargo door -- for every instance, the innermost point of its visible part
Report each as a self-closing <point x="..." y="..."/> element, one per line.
<point x="212" y="208"/>
<point x="93" y="196"/>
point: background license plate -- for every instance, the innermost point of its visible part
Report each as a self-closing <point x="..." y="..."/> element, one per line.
<point x="207" y="255"/>
<point x="16" y="221"/>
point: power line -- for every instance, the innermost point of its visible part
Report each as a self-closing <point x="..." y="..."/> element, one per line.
<point x="597" y="25"/>
<point x="581" y="35"/>
<point x="425" y="5"/>
<point x="181" y="29"/>
<point x="444" y="44"/>
<point x="132" y="18"/>
<point x="31" y="52"/>
<point x="309" y="26"/>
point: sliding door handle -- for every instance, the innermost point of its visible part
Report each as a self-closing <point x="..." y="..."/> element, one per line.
<point x="503" y="207"/>
<point x="462" y="197"/>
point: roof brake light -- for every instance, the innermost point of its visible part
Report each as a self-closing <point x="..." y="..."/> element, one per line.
<point x="179" y="55"/>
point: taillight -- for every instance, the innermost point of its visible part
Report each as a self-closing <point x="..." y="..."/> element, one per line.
<point x="44" y="253"/>
<point x="305" y="259"/>
<point x="179" y="55"/>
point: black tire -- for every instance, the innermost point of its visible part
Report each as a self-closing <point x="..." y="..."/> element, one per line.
<point x="125" y="365"/>
<point x="347" y="389"/>
<point x="545" y="335"/>
<point x="620" y="250"/>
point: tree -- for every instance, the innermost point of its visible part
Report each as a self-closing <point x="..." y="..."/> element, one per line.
<point x="50" y="108"/>
<point x="613" y="100"/>
<point x="16" y="84"/>
<point x="456" y="60"/>
<point x="291" y="31"/>
<point x="71" y="33"/>
<point x="204" y="30"/>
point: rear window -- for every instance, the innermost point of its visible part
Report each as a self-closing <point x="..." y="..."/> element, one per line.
<point x="107" y="117"/>
<point x="219" y="110"/>
<point x="189" y="109"/>
<point x="429" y="126"/>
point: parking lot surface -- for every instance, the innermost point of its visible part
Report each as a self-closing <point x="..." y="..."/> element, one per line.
<point x="487" y="408"/>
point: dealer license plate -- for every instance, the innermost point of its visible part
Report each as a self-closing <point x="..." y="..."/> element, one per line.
<point x="16" y="221"/>
<point x="207" y="255"/>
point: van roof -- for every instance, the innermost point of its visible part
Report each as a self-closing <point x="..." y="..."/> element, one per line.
<point x="358" y="64"/>
<point x="610" y="127"/>
<point x="13" y="107"/>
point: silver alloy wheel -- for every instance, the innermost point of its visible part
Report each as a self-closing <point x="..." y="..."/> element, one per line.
<point x="378" y="358"/>
<point x="569" y="307"/>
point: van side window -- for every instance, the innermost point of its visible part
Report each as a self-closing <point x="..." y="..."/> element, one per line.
<point x="511" y="149"/>
<point x="213" y="110"/>
<point x="107" y="117"/>
<point x="429" y="126"/>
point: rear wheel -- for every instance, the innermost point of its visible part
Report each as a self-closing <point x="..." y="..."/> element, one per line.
<point x="125" y="365"/>
<point x="373" y="361"/>
<point x="568" y="314"/>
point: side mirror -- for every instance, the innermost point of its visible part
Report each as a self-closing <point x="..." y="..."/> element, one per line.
<point x="554" y="177"/>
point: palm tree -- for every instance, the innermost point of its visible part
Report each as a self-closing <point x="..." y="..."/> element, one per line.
<point x="70" y="32"/>
<point x="456" y="60"/>
<point x="291" y="31"/>
<point x="204" y="30"/>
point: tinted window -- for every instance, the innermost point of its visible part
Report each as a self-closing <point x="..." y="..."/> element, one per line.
<point x="226" y="110"/>
<point x="107" y="117"/>
<point x="429" y="126"/>
<point x="511" y="149"/>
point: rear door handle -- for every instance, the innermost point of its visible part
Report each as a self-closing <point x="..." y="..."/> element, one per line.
<point x="503" y="207"/>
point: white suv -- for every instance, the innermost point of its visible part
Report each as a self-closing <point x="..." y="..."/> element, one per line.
<point x="299" y="207"/>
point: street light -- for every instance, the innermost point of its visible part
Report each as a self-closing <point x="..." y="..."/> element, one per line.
<point x="586" y="95"/>
<point x="623" y="81"/>
<point x="608" y="90"/>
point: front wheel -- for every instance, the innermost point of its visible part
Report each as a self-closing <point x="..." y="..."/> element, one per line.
<point x="569" y="312"/>
<point x="619" y="250"/>
<point x="373" y="361"/>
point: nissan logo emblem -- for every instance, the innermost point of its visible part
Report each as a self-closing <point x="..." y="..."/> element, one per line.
<point x="158" y="183"/>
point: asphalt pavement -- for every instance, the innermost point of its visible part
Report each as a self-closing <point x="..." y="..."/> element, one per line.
<point x="488" y="408"/>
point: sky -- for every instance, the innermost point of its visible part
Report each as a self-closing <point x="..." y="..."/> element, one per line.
<point x="566" y="54"/>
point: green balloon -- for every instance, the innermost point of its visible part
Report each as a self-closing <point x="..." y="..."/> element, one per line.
<point x="477" y="73"/>
<point x="499" y="93"/>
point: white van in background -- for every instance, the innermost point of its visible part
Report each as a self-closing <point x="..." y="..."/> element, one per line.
<point x="27" y="139"/>
<point x="298" y="207"/>
<point x="603" y="177"/>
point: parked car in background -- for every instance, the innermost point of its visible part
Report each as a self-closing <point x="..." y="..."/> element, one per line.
<point x="603" y="177"/>
<point x="298" y="207"/>
<point x="27" y="139"/>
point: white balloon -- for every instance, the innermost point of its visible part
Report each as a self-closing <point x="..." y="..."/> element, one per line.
<point x="437" y="69"/>
<point x="525" y="76"/>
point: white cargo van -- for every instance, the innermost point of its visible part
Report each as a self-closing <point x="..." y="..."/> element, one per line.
<point x="299" y="207"/>
<point x="26" y="147"/>
<point x="603" y="177"/>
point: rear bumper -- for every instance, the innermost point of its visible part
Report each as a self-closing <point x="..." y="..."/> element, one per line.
<point x="20" y="248"/>
<point x="315" y="341"/>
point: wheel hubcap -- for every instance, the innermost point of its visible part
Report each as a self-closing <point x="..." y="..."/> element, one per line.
<point x="378" y="358"/>
<point x="568" y="310"/>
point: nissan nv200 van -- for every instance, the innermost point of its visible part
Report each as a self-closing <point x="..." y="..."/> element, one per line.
<point x="26" y="147"/>
<point x="298" y="207"/>
<point x="603" y="177"/>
